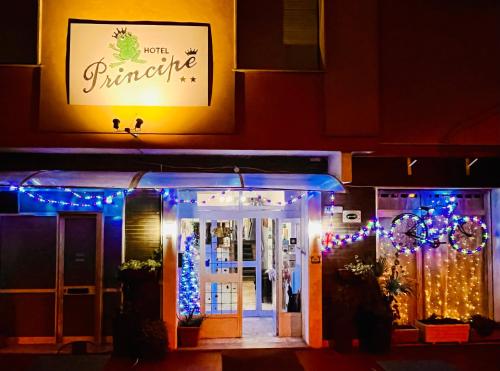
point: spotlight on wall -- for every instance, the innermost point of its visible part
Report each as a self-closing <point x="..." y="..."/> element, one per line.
<point x="138" y="124"/>
<point x="137" y="127"/>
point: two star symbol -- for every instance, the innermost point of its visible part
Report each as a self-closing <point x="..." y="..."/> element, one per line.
<point x="183" y="79"/>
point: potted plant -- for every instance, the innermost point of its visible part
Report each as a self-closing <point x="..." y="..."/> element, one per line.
<point x="394" y="284"/>
<point x="188" y="329"/>
<point x="378" y="311"/>
<point x="436" y="329"/>
<point x="132" y="325"/>
<point x="350" y="282"/>
<point x="152" y="340"/>
<point x="483" y="329"/>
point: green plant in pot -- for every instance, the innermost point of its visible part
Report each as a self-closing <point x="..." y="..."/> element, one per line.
<point x="188" y="330"/>
<point x="137" y="328"/>
<point x="378" y="309"/>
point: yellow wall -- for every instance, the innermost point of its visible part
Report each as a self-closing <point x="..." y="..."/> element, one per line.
<point x="57" y="115"/>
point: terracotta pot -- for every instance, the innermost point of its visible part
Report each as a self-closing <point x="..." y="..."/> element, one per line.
<point x="188" y="336"/>
<point x="405" y="335"/>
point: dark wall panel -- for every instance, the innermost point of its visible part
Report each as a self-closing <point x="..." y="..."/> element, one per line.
<point x="27" y="252"/>
<point x="19" y="32"/>
<point x="142" y="224"/>
<point x="333" y="295"/>
<point x="27" y="314"/>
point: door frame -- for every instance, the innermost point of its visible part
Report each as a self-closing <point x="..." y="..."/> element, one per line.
<point x="236" y="215"/>
<point x="224" y="320"/>
<point x="98" y="289"/>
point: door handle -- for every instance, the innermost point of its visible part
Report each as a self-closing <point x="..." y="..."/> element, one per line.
<point x="77" y="291"/>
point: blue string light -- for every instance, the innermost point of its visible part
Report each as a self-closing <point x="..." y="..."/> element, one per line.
<point x="189" y="289"/>
<point x="331" y="240"/>
<point x="259" y="198"/>
<point x="90" y="200"/>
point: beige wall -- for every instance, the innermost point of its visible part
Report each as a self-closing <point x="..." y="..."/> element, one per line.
<point x="57" y="115"/>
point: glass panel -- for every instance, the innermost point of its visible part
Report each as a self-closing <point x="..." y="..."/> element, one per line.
<point x="8" y="178"/>
<point x="189" y="180"/>
<point x="218" y="198"/>
<point x="79" y="251"/>
<point x="221" y="297"/>
<point x="305" y="182"/>
<point x="249" y="243"/>
<point x="454" y="283"/>
<point x="249" y="289"/>
<point x="407" y="304"/>
<point x="268" y="263"/>
<point x="262" y="198"/>
<point x="291" y="271"/>
<point x="27" y="252"/>
<point x="221" y="247"/>
<point x="86" y="179"/>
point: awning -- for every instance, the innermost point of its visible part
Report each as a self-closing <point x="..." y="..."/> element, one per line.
<point x="175" y="180"/>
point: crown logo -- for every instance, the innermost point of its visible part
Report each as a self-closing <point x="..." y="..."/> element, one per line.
<point x="191" y="51"/>
<point x="119" y="32"/>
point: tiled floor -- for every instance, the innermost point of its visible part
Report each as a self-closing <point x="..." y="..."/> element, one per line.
<point x="258" y="326"/>
<point x="257" y="333"/>
<point x="256" y="342"/>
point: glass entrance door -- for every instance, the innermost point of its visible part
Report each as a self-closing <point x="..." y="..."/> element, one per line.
<point x="259" y="266"/>
<point x="221" y="276"/>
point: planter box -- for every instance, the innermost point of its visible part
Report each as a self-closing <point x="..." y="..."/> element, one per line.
<point x="405" y="335"/>
<point x="187" y="336"/>
<point x="444" y="333"/>
<point x="475" y="337"/>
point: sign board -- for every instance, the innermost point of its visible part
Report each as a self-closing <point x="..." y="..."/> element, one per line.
<point x="112" y="63"/>
<point x="315" y="259"/>
<point x="333" y="209"/>
<point x="351" y="216"/>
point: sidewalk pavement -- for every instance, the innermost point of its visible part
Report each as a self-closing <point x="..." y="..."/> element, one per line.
<point x="467" y="357"/>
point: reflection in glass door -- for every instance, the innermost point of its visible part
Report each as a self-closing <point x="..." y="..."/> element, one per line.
<point x="259" y="268"/>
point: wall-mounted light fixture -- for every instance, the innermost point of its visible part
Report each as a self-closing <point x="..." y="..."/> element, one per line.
<point x="314" y="229"/>
<point x="409" y="165"/>
<point x="468" y="165"/>
<point x="170" y="229"/>
<point x="133" y="132"/>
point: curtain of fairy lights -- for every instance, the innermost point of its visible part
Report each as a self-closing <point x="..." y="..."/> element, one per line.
<point x="453" y="283"/>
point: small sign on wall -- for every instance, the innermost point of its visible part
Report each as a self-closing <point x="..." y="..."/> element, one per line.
<point x="316" y="259"/>
<point x="333" y="209"/>
<point x="351" y="216"/>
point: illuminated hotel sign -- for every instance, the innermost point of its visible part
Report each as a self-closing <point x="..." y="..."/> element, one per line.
<point x="138" y="64"/>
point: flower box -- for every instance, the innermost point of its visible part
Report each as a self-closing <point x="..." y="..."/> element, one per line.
<point x="405" y="335"/>
<point x="443" y="333"/>
<point x="476" y="338"/>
